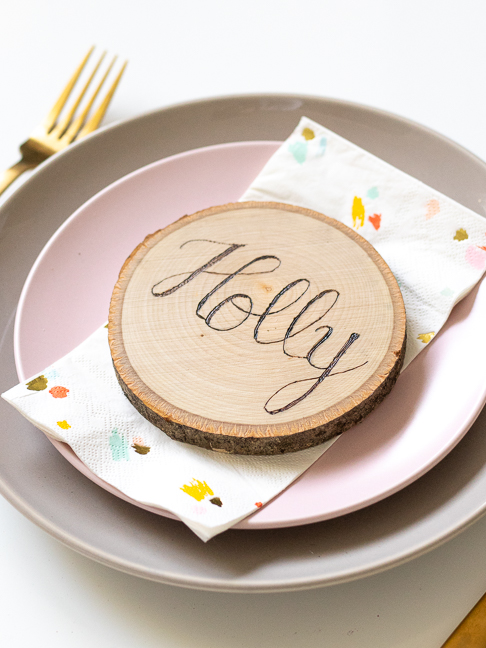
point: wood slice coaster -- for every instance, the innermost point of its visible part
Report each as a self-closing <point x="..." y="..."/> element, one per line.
<point x="256" y="328"/>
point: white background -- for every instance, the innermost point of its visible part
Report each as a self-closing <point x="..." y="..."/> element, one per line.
<point x="423" y="59"/>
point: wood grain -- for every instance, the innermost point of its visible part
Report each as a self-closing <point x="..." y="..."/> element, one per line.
<point x="256" y="328"/>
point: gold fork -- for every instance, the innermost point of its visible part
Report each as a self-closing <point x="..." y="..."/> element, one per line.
<point x="56" y="132"/>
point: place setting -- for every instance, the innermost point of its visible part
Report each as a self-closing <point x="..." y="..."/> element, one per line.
<point x="252" y="329"/>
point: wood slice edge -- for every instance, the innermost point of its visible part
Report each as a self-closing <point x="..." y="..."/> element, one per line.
<point x="256" y="439"/>
<point x="267" y="445"/>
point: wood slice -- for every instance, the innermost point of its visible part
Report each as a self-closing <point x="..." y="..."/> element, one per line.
<point x="256" y="328"/>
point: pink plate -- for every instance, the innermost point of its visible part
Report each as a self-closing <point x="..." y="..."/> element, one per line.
<point x="67" y="293"/>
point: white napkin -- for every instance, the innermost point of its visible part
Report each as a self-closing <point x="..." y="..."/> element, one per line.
<point x="436" y="249"/>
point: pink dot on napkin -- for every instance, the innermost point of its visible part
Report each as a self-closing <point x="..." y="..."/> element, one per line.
<point x="476" y="257"/>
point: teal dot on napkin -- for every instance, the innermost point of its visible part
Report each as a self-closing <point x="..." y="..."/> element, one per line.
<point x="299" y="151"/>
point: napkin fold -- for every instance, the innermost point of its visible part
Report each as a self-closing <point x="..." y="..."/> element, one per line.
<point x="435" y="247"/>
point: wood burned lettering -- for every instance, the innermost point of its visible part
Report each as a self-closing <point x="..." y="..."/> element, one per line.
<point x="287" y="319"/>
<point x="256" y="328"/>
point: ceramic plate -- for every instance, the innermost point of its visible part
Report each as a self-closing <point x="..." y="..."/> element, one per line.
<point x="52" y="493"/>
<point x="67" y="296"/>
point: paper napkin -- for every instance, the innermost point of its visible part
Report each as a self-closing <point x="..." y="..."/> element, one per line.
<point x="435" y="247"/>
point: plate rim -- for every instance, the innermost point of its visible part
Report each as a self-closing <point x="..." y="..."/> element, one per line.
<point x="216" y="584"/>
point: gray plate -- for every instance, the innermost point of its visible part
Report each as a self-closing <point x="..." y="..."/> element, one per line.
<point x="36" y="479"/>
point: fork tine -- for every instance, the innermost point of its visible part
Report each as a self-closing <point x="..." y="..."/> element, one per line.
<point x="58" y="106"/>
<point x="93" y="123"/>
<point x="64" y="123"/>
<point x="75" y="127"/>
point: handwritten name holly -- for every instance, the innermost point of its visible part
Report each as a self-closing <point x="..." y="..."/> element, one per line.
<point x="244" y="306"/>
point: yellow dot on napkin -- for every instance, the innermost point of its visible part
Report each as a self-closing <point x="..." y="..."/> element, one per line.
<point x="64" y="425"/>
<point x="426" y="337"/>
<point x="358" y="212"/>
<point x="37" y="384"/>
<point x="141" y="449"/>
<point x="197" y="489"/>
<point x="461" y="235"/>
<point x="308" y="133"/>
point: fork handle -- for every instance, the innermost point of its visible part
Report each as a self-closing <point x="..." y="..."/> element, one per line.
<point x="13" y="173"/>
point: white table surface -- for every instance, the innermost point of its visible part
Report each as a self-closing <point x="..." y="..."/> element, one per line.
<point x="423" y="59"/>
